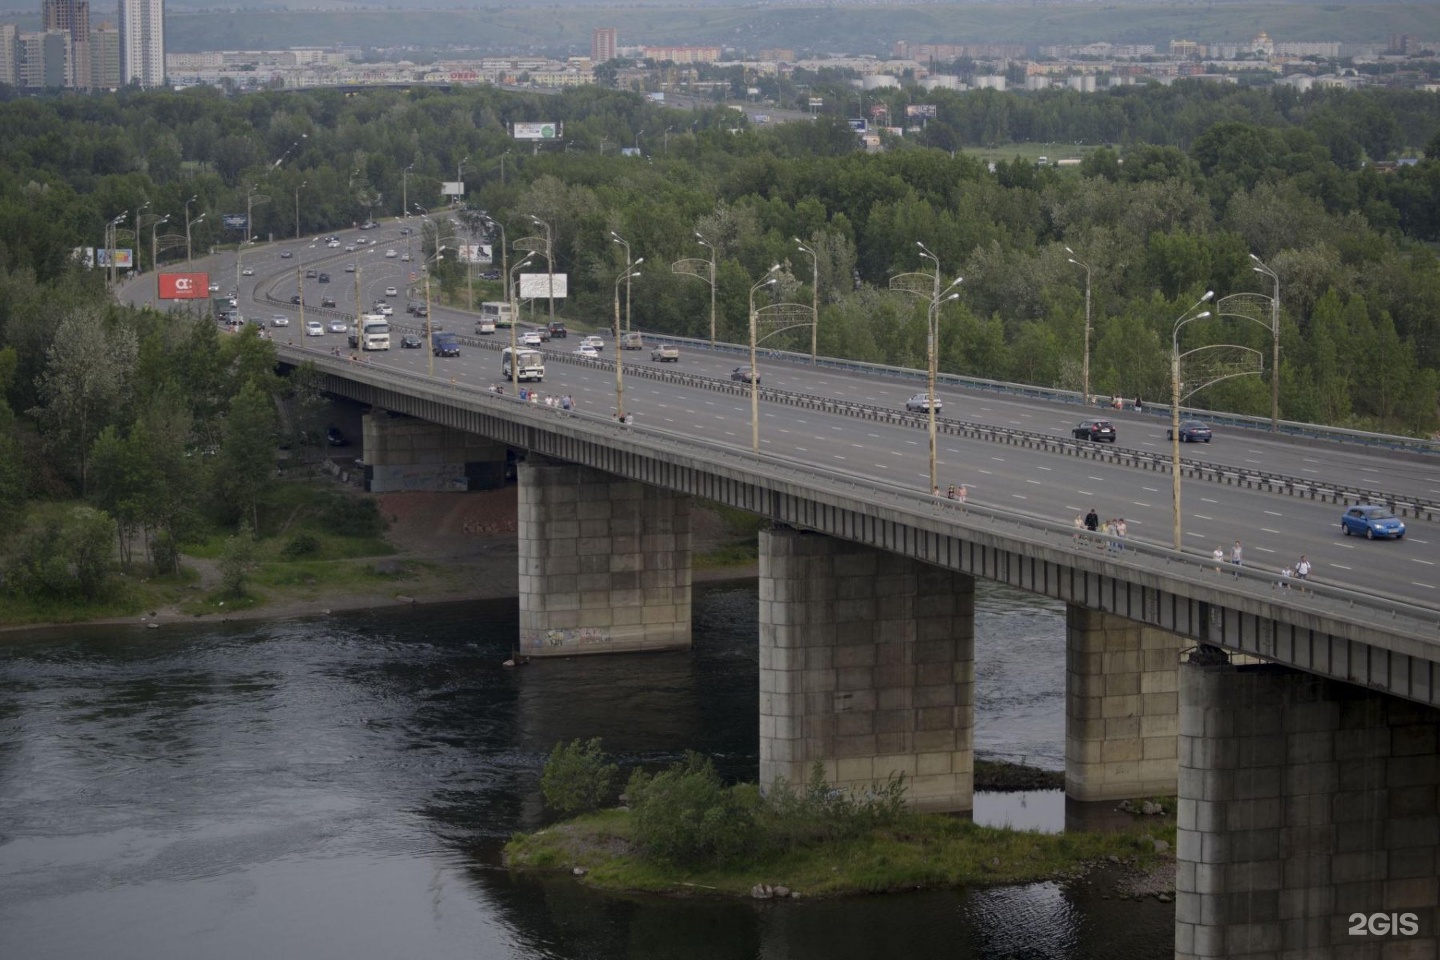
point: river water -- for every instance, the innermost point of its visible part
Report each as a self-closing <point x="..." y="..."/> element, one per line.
<point x="341" y="787"/>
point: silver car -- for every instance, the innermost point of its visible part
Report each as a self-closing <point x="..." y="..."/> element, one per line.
<point x="920" y="403"/>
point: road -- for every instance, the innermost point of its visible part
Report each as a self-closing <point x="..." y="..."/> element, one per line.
<point x="1274" y="530"/>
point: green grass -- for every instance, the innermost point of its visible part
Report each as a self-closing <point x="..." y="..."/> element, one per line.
<point x="923" y="850"/>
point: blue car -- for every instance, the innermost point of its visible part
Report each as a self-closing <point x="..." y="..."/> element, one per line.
<point x="1373" y="521"/>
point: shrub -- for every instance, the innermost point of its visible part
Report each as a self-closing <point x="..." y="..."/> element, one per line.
<point x="237" y="562"/>
<point x="685" y="817"/>
<point x="353" y="517"/>
<point x="577" y="778"/>
<point x="300" y="546"/>
<point x="821" y="813"/>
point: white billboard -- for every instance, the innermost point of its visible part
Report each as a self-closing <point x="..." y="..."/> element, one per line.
<point x="475" y="253"/>
<point x="452" y="188"/>
<point x="535" y="286"/>
<point x="536" y="131"/>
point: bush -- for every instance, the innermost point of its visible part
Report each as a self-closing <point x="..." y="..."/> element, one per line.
<point x="685" y="817"/>
<point x="353" y="517"/>
<point x="300" y="546"/>
<point x="577" y="778"/>
<point x="237" y="562"/>
<point x="821" y="813"/>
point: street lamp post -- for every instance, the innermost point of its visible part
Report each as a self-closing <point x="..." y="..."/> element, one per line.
<point x="429" y="335"/>
<point x="814" y="299"/>
<point x="299" y="292"/>
<point x="1085" y="360"/>
<point x="504" y="256"/>
<point x="239" y="267"/>
<point x="549" y="263"/>
<point x="1185" y="318"/>
<point x="628" y="264"/>
<point x="630" y="271"/>
<point x="933" y="351"/>
<point x="754" y="378"/>
<point x="405" y="190"/>
<point x="155" y="243"/>
<point x="514" y="314"/>
<point x="253" y="200"/>
<point x="711" y="247"/>
<point x="460" y="178"/>
<point x="1260" y="267"/>
<point x="189" y="223"/>
<point x="302" y="186"/>
<point x="111" y="227"/>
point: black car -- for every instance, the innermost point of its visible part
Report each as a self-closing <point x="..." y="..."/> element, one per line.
<point x="324" y="278"/>
<point x="744" y="374"/>
<point x="1191" y="431"/>
<point x="490" y="275"/>
<point x="334" y="437"/>
<point x="557" y="331"/>
<point x="327" y="301"/>
<point x="295" y="299"/>
<point x="410" y="342"/>
<point x="1095" y="428"/>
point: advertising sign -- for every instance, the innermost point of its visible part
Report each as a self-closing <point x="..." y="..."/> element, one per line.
<point x="452" y="188"/>
<point x="474" y="253"/>
<point x="184" y="286"/>
<point x="124" y="259"/>
<point x="536" y="131"/>
<point x="535" y="286"/>
<point x="233" y="221"/>
<point x="925" y="111"/>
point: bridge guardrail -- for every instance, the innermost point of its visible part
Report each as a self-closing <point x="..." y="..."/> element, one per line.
<point x="1364" y="609"/>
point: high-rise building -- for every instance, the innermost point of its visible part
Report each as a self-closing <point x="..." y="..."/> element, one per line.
<point x="43" y="59"/>
<point x="8" y="39"/>
<point x="104" y="57"/>
<point x="602" y="45"/>
<point x="72" y="16"/>
<point x="142" y="42"/>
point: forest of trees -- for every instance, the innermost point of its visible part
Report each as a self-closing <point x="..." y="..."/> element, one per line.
<point x="159" y="426"/>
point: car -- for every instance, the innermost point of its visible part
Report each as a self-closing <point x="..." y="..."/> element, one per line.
<point x="589" y="353"/>
<point x="349" y="268"/>
<point x="665" y="352"/>
<point x="234" y="301"/>
<point x="594" y="342"/>
<point x="391" y="292"/>
<point x="490" y="275"/>
<point x="313" y="329"/>
<point x="445" y="345"/>
<point x="286" y="254"/>
<point x="324" y="278"/>
<point x="920" y="403"/>
<point x="557" y="330"/>
<point x="405" y="258"/>
<point x="411" y="342"/>
<point x="338" y="326"/>
<point x="391" y="254"/>
<point x="279" y="320"/>
<point x="530" y="338"/>
<point x="406" y="231"/>
<point x="745" y="374"/>
<point x="361" y="241"/>
<point x="214" y="288"/>
<point x="333" y="243"/>
<point x="327" y="302"/>
<point x="369" y="225"/>
<point x="311" y="274"/>
<point x="349" y="248"/>
<point x="385" y="309"/>
<point x="335" y="438"/>
<point x="1094" y="428"/>
<point x="1191" y="431"/>
<point x="1373" y="522"/>
<point x="295" y="299"/>
<point x="248" y="272"/>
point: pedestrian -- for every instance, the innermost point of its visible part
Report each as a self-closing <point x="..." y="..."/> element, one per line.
<point x="1235" y="553"/>
<point x="1109" y="531"/>
<point x="1219" y="557"/>
<point x="1285" y="578"/>
<point x="1092" y="520"/>
<point x="1079" y="526"/>
<point x="950" y="493"/>
<point x="1139" y="405"/>
<point x="1121" y="532"/>
<point x="1302" y="570"/>
<point x="962" y="493"/>
<point x="566" y="403"/>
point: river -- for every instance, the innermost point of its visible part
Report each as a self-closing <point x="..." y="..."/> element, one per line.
<point x="341" y="787"/>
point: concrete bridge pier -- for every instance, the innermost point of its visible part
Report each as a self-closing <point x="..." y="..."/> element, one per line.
<point x="403" y="453"/>
<point x="604" y="562"/>
<point x="866" y="665"/>
<point x="1309" y="818"/>
<point x="1121" y="707"/>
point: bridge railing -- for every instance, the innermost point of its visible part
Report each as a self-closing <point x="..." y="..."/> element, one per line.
<point x="1365" y="609"/>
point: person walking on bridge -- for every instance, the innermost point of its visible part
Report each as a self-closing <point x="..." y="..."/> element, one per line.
<point x="1235" y="553"/>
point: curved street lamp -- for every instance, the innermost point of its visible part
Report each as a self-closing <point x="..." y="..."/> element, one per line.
<point x="514" y="317"/>
<point x="814" y="297"/>
<point x="188" y="224"/>
<point x="1260" y="267"/>
<point x="429" y="308"/>
<point x="937" y="297"/>
<point x="630" y="271"/>
<point x="770" y="280"/>
<point x="549" y="263"/>
<point x="303" y="185"/>
<point x="155" y="243"/>
<point x="1185" y="318"/>
<point x="706" y="243"/>
<point x="629" y="263"/>
<point x="1085" y="362"/>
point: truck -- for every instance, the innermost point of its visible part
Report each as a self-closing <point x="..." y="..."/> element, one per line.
<point x="529" y="364"/>
<point x="374" y="333"/>
<point x="445" y="345"/>
<point x="665" y="351"/>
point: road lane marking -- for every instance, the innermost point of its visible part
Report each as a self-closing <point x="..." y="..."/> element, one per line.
<point x="1208" y="500"/>
<point x="1274" y="514"/>
<point x="1150" y="489"/>
<point x="1046" y="469"/>
<point x="1268" y="530"/>
<point x="1428" y="563"/>
<point x="1339" y="566"/>
<point x="1036" y="482"/>
<point x="1201" y="516"/>
<point x="1427" y="586"/>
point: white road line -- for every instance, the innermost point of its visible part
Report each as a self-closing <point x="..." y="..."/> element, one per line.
<point x="1208" y="500"/>
<point x="1427" y="586"/>
<point x="1096" y="479"/>
<point x="1140" y="503"/>
<point x="1047" y="469"/>
<point x="1273" y="513"/>
<point x="1264" y="549"/>
<point x="998" y="459"/>
<point x="1085" y="493"/>
<point x="1253" y="461"/>
<point x="1370" y="469"/>
<point x="986" y="472"/>
<point x="1036" y="482"/>
<point x="836" y="456"/>
<point x="1018" y="496"/>
<point x="1150" y="489"/>
<point x="882" y="466"/>
<point x="1339" y="566"/>
<point x="1268" y="530"/>
<point x="1428" y="563"/>
<point x="1201" y="516"/>
<point x="1413" y="540"/>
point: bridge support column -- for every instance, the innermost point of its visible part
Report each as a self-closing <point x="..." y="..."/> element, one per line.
<point x="402" y="453"/>
<point x="1121" y="707"/>
<point x="604" y="562"/>
<point x="1309" y="818"/>
<point x="866" y="665"/>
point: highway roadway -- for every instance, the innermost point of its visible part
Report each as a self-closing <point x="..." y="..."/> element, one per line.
<point x="1275" y="530"/>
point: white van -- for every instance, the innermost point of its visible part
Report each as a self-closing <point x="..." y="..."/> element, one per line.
<point x="530" y="364"/>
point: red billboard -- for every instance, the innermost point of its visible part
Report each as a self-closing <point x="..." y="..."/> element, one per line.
<point x="184" y="286"/>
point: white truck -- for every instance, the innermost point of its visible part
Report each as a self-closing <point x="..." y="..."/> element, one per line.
<point x="374" y="333"/>
<point x="529" y="364"/>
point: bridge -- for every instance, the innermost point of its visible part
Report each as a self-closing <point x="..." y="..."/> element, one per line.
<point x="1297" y="723"/>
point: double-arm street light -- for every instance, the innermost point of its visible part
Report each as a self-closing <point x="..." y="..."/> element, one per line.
<point x="549" y="264"/>
<point x="917" y="284"/>
<point x="1085" y="360"/>
<point x="494" y="224"/>
<point x="754" y="378"/>
<point x="253" y="199"/>
<point x="155" y="242"/>
<point x="711" y="247"/>
<point x="629" y="264"/>
<point x="1185" y="318"/>
<point x="814" y="298"/>
<point x="630" y="271"/>
<point x="1260" y="267"/>
<point x="239" y="267"/>
<point x="429" y="308"/>
<point x="190" y="223"/>
<point x="111" y="227"/>
<point x="514" y="315"/>
<point x="303" y="185"/>
<point x="405" y="190"/>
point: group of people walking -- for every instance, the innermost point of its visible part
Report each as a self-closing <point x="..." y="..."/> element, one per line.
<point x="1114" y="531"/>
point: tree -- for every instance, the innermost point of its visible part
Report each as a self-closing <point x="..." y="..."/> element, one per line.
<point x="246" y="460"/>
<point x="578" y="778"/>
<point x="237" y="561"/>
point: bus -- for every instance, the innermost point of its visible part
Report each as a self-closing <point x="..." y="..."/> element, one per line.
<point x="529" y="366"/>
<point x="497" y="311"/>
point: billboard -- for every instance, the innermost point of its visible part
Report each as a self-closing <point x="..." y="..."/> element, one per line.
<point x="923" y="110"/>
<point x="534" y="286"/>
<point x="184" y="286"/>
<point x="234" y="221"/>
<point x="452" y="188"/>
<point x="474" y="253"/>
<point x="536" y="131"/>
<point x="124" y="258"/>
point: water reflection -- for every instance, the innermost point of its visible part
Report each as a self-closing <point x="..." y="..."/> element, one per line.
<point x="341" y="788"/>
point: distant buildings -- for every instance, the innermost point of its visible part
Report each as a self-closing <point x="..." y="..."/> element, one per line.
<point x="603" y="45"/>
<point x="142" y="42"/>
